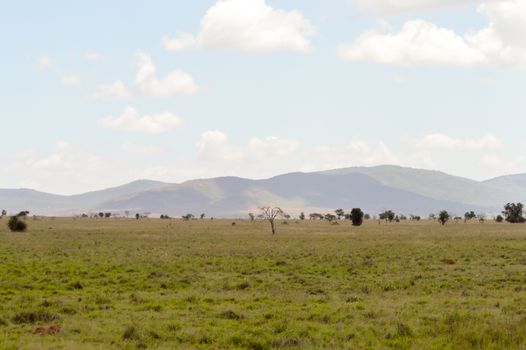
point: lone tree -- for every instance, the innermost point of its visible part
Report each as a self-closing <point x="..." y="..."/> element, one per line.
<point x="16" y="224"/>
<point x="513" y="212"/>
<point x="188" y="217"/>
<point x="270" y="214"/>
<point x="357" y="216"/>
<point x="469" y="215"/>
<point x="443" y="217"/>
<point x="315" y="216"/>
<point x="339" y="213"/>
<point x="4" y="212"/>
<point x="387" y="215"/>
<point x="302" y="216"/>
<point x="330" y="217"/>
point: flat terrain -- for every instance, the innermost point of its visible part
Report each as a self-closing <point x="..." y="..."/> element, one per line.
<point x="162" y="284"/>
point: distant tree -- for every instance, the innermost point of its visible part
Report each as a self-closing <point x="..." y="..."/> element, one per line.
<point x="162" y="216"/>
<point x="127" y="213"/>
<point x="137" y="216"/>
<point x="302" y="216"/>
<point x="23" y="214"/>
<point x="330" y="217"/>
<point x="202" y="216"/>
<point x="443" y="217"/>
<point x="251" y="216"/>
<point x="315" y="216"/>
<point x="499" y="218"/>
<point x="513" y="213"/>
<point x="387" y="215"/>
<point x="188" y="217"/>
<point x="339" y="213"/>
<point x="101" y="215"/>
<point x="270" y="214"/>
<point x="415" y="218"/>
<point x="16" y="224"/>
<point x="432" y="216"/>
<point x="107" y="215"/>
<point x="357" y="216"/>
<point x="4" y="212"/>
<point x="367" y="217"/>
<point x="469" y="215"/>
<point x="403" y="217"/>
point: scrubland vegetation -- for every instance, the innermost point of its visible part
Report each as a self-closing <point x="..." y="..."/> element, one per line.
<point x="206" y="284"/>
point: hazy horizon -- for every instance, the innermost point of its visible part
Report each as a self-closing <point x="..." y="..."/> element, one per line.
<point x="100" y="94"/>
<point x="248" y="178"/>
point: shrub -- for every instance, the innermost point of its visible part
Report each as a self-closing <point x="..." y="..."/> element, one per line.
<point x="357" y="216"/>
<point x="513" y="212"/>
<point x="15" y="224"/>
<point x="229" y="315"/>
<point x="443" y="217"/>
<point x="130" y="333"/>
<point x="34" y="317"/>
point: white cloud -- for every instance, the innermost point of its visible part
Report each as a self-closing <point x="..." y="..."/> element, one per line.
<point x="72" y="80"/>
<point x="135" y="148"/>
<point x="417" y="42"/>
<point x="501" y="43"/>
<point x="214" y="145"/>
<point x="44" y="62"/>
<point x="398" y="6"/>
<point x="445" y="142"/>
<point x="181" y="41"/>
<point x="65" y="169"/>
<point x="68" y="169"/>
<point x="247" y="25"/>
<point x="147" y="83"/>
<point x="93" y="56"/>
<point x="354" y="153"/>
<point x="116" y="89"/>
<point x="130" y="120"/>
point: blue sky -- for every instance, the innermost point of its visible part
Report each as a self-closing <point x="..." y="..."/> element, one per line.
<point x="99" y="93"/>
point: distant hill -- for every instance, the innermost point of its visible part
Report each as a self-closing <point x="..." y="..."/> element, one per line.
<point x="439" y="185"/>
<point x="15" y="200"/>
<point x="513" y="183"/>
<point x="374" y="189"/>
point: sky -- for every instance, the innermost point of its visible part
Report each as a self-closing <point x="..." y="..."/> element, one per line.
<point x="100" y="93"/>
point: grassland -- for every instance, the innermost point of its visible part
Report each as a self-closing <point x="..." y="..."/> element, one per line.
<point x="160" y="284"/>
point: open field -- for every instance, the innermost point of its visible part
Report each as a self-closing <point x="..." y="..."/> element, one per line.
<point x="165" y="284"/>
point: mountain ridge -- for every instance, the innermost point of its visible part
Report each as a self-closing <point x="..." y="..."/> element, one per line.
<point x="403" y="189"/>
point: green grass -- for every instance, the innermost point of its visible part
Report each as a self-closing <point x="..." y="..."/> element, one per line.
<point x="160" y="284"/>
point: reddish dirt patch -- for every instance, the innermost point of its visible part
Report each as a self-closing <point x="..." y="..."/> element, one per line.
<point x="47" y="330"/>
<point x="449" y="261"/>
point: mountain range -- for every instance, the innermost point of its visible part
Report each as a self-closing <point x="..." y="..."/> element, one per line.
<point x="374" y="189"/>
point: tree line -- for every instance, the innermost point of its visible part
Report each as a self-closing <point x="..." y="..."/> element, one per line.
<point x="512" y="213"/>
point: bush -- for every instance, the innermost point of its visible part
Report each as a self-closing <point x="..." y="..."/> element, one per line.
<point x="15" y="224"/>
<point x="443" y="217"/>
<point x="357" y="216"/>
<point x="32" y="317"/>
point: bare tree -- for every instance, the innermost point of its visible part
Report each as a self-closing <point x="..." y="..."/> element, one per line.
<point x="270" y="214"/>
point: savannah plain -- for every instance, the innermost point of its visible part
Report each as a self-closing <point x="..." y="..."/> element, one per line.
<point x="205" y="284"/>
